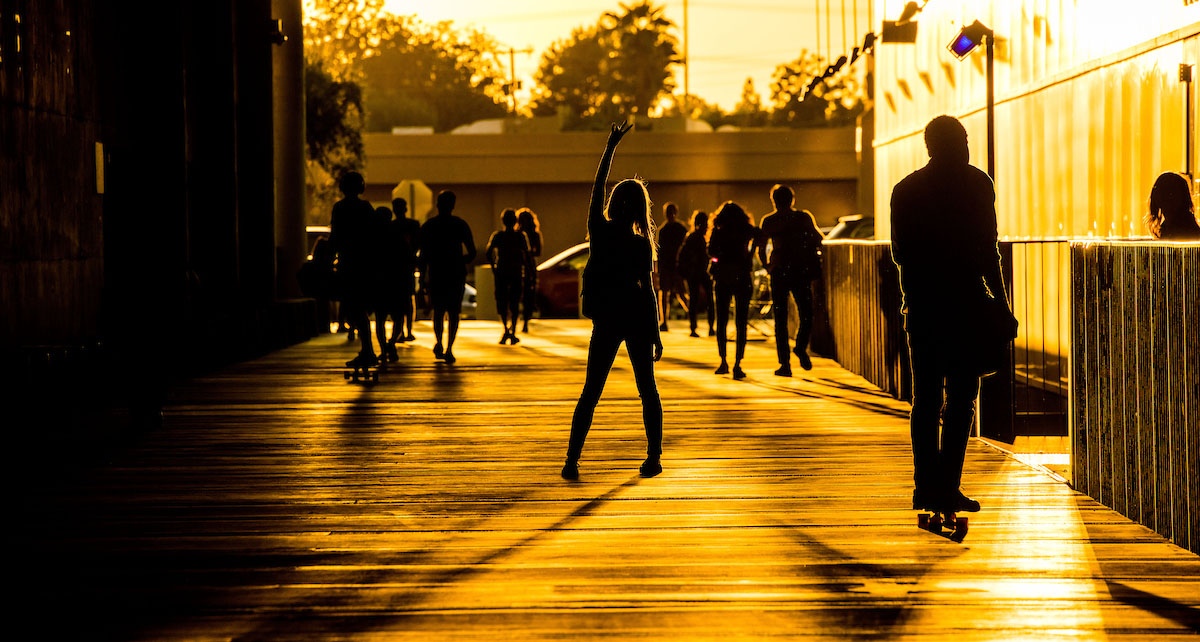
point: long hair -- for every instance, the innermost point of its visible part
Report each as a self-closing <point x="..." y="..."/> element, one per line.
<point x="629" y="204"/>
<point x="1170" y="202"/>
<point x="731" y="216"/>
<point x="527" y="221"/>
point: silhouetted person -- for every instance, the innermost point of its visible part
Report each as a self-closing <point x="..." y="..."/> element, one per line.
<point x="670" y="238"/>
<point x="793" y="262"/>
<point x="731" y="246"/>
<point x="353" y="226"/>
<point x="388" y="294"/>
<point x="446" y="250"/>
<point x="618" y="296"/>
<point x="408" y="235"/>
<point x="508" y="252"/>
<point x="1172" y="215"/>
<point x="527" y="223"/>
<point x="693" y="267"/>
<point x="944" y="242"/>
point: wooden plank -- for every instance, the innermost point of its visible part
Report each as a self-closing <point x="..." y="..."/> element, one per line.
<point x="1191" y="394"/>
<point x="280" y="502"/>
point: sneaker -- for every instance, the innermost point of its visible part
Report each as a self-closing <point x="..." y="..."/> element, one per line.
<point x="570" y="470"/>
<point x="958" y="502"/>
<point x="410" y="337"/>
<point x="504" y="339"/>
<point x="738" y="373"/>
<point x="662" y="328"/>
<point x="525" y="327"/>
<point x="924" y="501"/>
<point x="512" y="338"/>
<point x="392" y="355"/>
<point x="449" y="358"/>
<point x="349" y="336"/>
<point x="784" y="371"/>
<point x="722" y="369"/>
<point x="649" y="468"/>
<point x="437" y="351"/>
<point x="712" y="333"/>
<point x="363" y="360"/>
<point x="802" y="355"/>
<point x="694" y="333"/>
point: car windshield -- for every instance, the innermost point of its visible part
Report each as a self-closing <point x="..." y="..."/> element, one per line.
<point x="583" y="249"/>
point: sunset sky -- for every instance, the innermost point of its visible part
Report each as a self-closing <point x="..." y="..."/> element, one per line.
<point x="730" y="39"/>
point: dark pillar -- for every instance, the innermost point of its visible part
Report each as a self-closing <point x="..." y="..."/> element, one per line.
<point x="288" y="61"/>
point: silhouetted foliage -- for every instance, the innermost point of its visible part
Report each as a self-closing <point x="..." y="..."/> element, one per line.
<point x="343" y="33"/>
<point x="333" y="132"/>
<point x="836" y="101"/>
<point x="617" y="68"/>
<point x="749" y="111"/>
<point x="432" y="75"/>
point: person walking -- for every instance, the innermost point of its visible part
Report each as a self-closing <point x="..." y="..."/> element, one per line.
<point x="527" y="223"/>
<point x="731" y="246"/>
<point x="446" y="249"/>
<point x="944" y="242"/>
<point x="508" y="252"/>
<point x="352" y="234"/>
<point x="693" y="267"/>
<point x="618" y="296"/>
<point x="790" y="249"/>
<point x="670" y="283"/>
<point x="407" y="235"/>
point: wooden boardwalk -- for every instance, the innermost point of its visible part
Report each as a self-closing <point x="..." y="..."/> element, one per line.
<point x="281" y="502"/>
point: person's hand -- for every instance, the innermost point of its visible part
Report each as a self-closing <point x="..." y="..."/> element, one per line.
<point x="618" y="132"/>
<point x="658" y="349"/>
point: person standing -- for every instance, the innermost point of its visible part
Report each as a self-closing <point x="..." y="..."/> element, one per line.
<point x="944" y="243"/>
<point x="408" y="236"/>
<point x="731" y="246"/>
<point x="508" y="252"/>
<point x="527" y="223"/>
<point x="793" y="261"/>
<point x="670" y="238"/>
<point x="446" y="249"/>
<point x="693" y="267"/>
<point x="618" y="296"/>
<point x="352" y="234"/>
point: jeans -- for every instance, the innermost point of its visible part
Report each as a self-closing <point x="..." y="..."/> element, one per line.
<point x="801" y="290"/>
<point x="607" y="337"/>
<point x="944" y="391"/>
<point x="739" y="292"/>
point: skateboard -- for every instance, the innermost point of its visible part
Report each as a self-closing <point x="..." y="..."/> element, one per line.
<point x="936" y="522"/>
<point x="365" y="372"/>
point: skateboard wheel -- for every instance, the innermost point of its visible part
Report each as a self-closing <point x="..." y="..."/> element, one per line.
<point x="345" y="375"/>
<point x="935" y="523"/>
<point x="923" y="520"/>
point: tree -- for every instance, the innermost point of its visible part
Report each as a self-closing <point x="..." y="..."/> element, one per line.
<point x="432" y="75"/>
<point x="617" y="68"/>
<point x="749" y="111"/>
<point x="333" y="133"/>
<point x="342" y="33"/>
<point x="835" y="101"/>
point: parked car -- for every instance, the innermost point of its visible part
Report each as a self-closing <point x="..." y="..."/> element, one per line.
<point x="558" y="281"/>
<point x="855" y="226"/>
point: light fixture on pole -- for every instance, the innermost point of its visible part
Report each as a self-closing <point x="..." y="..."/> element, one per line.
<point x="967" y="39"/>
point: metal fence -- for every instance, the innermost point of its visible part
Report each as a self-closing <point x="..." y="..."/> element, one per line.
<point x="1135" y="382"/>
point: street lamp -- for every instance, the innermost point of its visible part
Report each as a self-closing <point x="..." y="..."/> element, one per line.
<point x="967" y="39"/>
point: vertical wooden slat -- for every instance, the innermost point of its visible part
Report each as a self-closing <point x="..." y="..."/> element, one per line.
<point x="1159" y="389"/>
<point x="1078" y="381"/>
<point x="1104" y="369"/>
<point x="1115" y="302"/>
<point x="1191" y="396"/>
<point x="1176" y="350"/>
<point x="1093" y="366"/>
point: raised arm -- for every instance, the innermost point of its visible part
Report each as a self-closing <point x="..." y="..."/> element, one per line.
<point x="596" y="207"/>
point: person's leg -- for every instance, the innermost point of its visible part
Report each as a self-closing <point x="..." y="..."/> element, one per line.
<point x="924" y="420"/>
<point x="709" y="303"/>
<point x="958" y="418"/>
<point x="454" y="309"/>
<point x="514" y="310"/>
<point x="641" y="357"/>
<point x="741" y="318"/>
<point x="779" y="309"/>
<point x="802" y="292"/>
<point x="381" y="315"/>
<point x="438" y="313"/>
<point x="723" y="295"/>
<point x="693" y="302"/>
<point x="602" y="350"/>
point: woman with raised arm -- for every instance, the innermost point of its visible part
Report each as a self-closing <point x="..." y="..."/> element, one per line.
<point x="618" y="296"/>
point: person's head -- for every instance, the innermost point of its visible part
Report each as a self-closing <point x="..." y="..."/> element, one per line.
<point x="352" y="184"/>
<point x="1170" y="203"/>
<point x="629" y="205"/>
<point x="400" y="207"/>
<point x="700" y="220"/>
<point x="946" y="140"/>
<point x="670" y="211"/>
<point x="384" y="213"/>
<point x="445" y="201"/>
<point x="526" y="220"/>
<point x="509" y="218"/>
<point x="731" y="215"/>
<point x="783" y="197"/>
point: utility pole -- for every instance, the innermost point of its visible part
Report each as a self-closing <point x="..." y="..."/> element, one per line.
<point x="512" y="76"/>
<point x="686" y="61"/>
